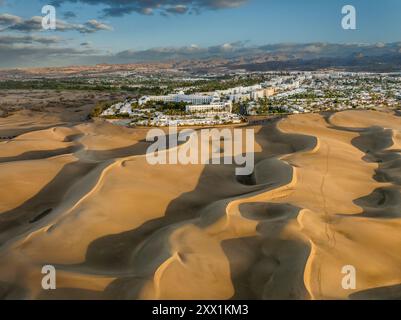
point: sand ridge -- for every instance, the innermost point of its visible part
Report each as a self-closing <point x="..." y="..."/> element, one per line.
<point x="324" y="194"/>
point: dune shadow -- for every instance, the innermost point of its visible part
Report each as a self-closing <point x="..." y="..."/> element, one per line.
<point x="374" y="142"/>
<point x="13" y="133"/>
<point x="23" y="218"/>
<point x="134" y="256"/>
<point x="41" y="206"/>
<point x="138" y="148"/>
<point x="40" y="154"/>
<point x="267" y="266"/>
<point x="383" y="203"/>
<point x="9" y="291"/>
<point x="381" y="293"/>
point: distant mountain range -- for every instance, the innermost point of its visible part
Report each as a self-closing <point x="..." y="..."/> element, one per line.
<point x="379" y="57"/>
<point x="355" y="63"/>
<point x="316" y="56"/>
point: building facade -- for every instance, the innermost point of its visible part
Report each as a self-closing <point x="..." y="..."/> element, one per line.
<point x="180" y="97"/>
<point x="216" y="106"/>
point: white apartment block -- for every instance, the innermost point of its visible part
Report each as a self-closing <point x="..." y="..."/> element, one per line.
<point x="217" y="106"/>
<point x="180" y="97"/>
<point x="239" y="90"/>
<point x="262" y="93"/>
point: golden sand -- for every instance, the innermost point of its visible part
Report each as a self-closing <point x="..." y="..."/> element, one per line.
<point x="325" y="194"/>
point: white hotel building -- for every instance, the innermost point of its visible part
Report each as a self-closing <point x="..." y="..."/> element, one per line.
<point x="214" y="106"/>
<point x="180" y="97"/>
<point x="239" y="90"/>
<point x="195" y="103"/>
<point x="240" y="93"/>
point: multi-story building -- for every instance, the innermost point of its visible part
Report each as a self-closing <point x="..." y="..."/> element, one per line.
<point x="180" y="97"/>
<point x="215" y="106"/>
<point x="262" y="93"/>
<point x="239" y="90"/>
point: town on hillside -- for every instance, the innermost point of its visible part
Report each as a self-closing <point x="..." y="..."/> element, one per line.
<point x="292" y="93"/>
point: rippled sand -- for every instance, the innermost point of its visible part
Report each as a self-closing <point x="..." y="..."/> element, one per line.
<point x="325" y="193"/>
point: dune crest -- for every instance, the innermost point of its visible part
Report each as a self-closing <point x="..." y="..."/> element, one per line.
<point x="325" y="193"/>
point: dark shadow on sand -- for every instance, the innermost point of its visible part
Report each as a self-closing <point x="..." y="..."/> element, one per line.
<point x="134" y="256"/>
<point x="381" y="293"/>
<point x="384" y="202"/>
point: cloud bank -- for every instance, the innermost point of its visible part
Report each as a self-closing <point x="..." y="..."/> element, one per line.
<point x="10" y="22"/>
<point x="119" y="8"/>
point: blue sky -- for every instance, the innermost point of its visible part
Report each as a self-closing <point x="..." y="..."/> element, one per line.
<point x="258" y="22"/>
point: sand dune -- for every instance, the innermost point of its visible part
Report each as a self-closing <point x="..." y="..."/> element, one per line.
<point x="325" y="193"/>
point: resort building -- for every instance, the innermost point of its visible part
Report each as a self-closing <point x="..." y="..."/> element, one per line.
<point x="180" y="97"/>
<point x="215" y="106"/>
<point x="239" y="90"/>
<point x="262" y="93"/>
